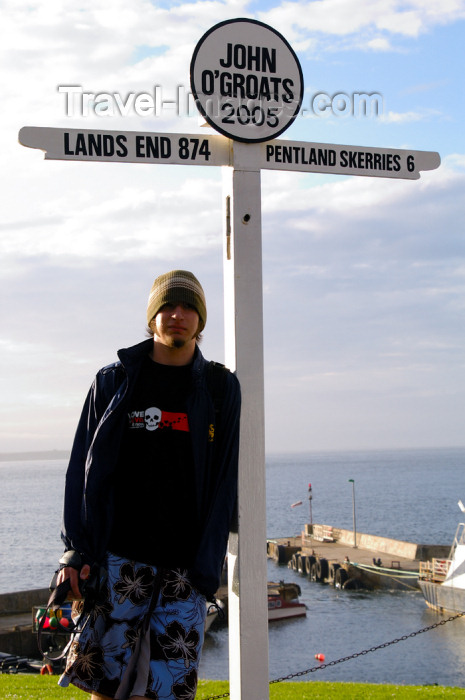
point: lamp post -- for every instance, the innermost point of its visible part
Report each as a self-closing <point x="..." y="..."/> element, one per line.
<point x="310" y="504"/>
<point x="352" y="481"/>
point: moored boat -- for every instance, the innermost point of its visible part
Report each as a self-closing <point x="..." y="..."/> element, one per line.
<point x="376" y="576"/>
<point x="283" y="601"/>
<point x="442" y="581"/>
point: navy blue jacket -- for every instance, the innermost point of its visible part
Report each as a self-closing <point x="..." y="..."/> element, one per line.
<point x="88" y="505"/>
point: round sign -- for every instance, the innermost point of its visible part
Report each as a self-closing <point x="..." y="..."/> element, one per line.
<point x="246" y="80"/>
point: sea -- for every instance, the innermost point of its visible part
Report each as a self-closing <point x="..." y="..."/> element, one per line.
<point x="405" y="494"/>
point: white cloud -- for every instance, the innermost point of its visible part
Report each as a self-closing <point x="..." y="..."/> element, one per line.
<point x="375" y="18"/>
<point x="379" y="44"/>
<point x="400" y="118"/>
<point x="123" y="222"/>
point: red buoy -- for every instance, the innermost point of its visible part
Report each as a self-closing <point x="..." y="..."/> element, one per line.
<point x="320" y="657"/>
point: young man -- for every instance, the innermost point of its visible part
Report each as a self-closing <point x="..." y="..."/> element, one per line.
<point x="150" y="496"/>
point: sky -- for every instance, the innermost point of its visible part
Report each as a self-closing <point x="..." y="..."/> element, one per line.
<point x="363" y="278"/>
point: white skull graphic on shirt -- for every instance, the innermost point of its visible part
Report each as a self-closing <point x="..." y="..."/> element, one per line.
<point x="152" y="418"/>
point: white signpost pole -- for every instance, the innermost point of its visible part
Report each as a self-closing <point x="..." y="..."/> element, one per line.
<point x="247" y="83"/>
<point x="248" y="612"/>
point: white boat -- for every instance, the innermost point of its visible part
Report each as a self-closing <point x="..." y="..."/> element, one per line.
<point x="283" y="601"/>
<point x="442" y="581"/>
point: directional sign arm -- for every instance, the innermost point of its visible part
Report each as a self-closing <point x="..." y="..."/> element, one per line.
<point x="127" y="146"/>
<point x="200" y="149"/>
<point x="346" y="160"/>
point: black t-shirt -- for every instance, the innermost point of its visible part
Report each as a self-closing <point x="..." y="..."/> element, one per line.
<point x="155" y="518"/>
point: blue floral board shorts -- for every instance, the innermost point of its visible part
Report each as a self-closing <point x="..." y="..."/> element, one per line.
<point x="143" y="636"/>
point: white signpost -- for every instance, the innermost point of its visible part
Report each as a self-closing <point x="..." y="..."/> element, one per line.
<point x="248" y="85"/>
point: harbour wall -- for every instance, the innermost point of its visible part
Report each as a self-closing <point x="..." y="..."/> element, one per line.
<point x="375" y="543"/>
<point x="16" y="635"/>
<point x="22" y="601"/>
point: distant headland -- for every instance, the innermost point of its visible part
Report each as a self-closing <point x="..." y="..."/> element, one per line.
<point x="25" y="456"/>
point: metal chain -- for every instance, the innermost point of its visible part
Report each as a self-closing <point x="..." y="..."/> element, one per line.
<point x="367" y="651"/>
<point x="320" y="667"/>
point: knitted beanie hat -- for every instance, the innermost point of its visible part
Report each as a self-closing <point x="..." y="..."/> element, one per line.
<point x="177" y="286"/>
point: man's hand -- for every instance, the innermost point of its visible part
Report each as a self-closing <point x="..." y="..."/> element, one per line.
<point x="72" y="574"/>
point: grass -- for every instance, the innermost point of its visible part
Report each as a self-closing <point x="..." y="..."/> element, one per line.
<point x="35" y="687"/>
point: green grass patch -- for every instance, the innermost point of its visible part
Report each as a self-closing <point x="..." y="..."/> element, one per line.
<point x="35" y="687"/>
